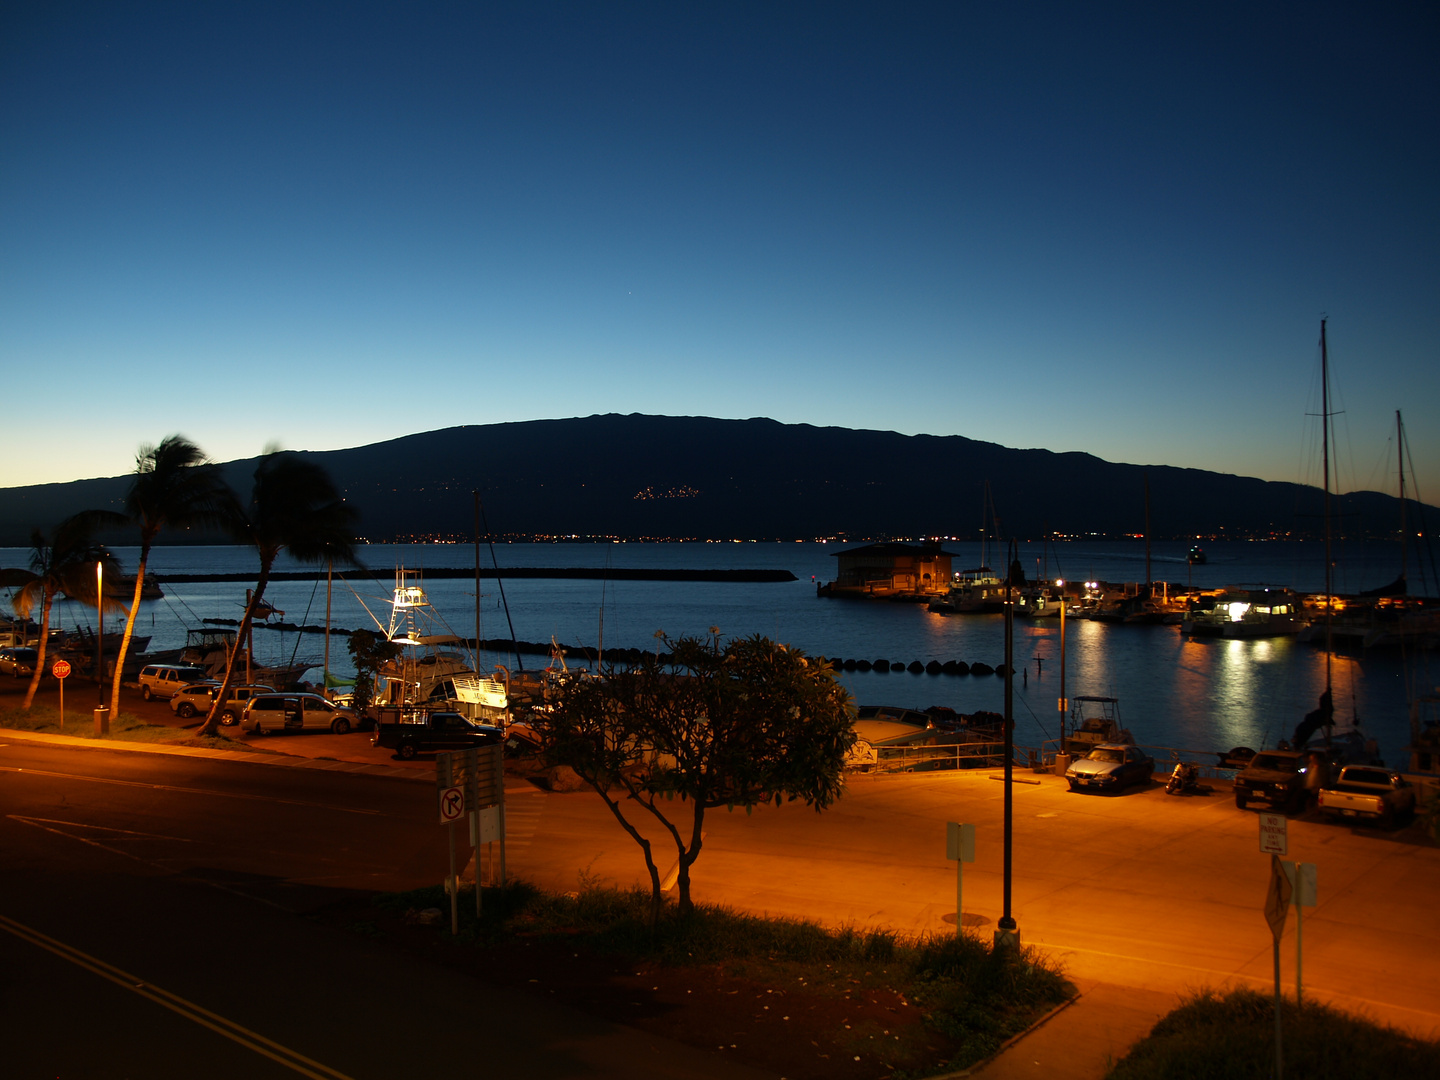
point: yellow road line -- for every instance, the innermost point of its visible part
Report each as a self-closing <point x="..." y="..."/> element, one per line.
<point x="251" y="1040"/>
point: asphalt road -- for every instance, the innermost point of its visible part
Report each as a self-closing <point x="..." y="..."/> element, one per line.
<point x="148" y="929"/>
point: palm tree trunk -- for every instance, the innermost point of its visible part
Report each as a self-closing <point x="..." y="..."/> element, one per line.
<point x="40" y="649"/>
<point x="129" y="629"/>
<point x="212" y="721"/>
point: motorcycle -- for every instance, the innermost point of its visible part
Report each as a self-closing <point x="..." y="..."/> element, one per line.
<point x="1185" y="777"/>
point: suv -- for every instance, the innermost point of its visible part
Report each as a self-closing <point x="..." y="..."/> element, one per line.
<point x="295" y="712"/>
<point x="198" y="697"/>
<point x="1275" y="777"/>
<point x="165" y="680"/>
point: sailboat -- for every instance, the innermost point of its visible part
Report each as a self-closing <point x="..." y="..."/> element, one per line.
<point x="980" y="590"/>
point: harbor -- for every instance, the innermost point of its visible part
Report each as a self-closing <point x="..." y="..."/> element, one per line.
<point x="1179" y="690"/>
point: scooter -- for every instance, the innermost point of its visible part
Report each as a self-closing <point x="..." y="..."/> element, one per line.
<point x="1185" y="777"/>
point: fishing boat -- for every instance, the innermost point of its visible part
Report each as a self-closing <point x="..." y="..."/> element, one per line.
<point x="431" y="671"/>
<point x="1094" y="720"/>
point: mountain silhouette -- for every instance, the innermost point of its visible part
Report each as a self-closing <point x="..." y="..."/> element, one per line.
<point x="637" y="476"/>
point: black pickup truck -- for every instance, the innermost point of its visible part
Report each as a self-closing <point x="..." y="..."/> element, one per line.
<point x="426" y="733"/>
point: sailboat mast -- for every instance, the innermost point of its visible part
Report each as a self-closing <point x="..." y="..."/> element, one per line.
<point x="1147" y="532"/>
<point x="1325" y="468"/>
<point x="1400" y="457"/>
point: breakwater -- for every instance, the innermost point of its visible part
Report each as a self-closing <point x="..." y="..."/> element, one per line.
<point x="577" y="573"/>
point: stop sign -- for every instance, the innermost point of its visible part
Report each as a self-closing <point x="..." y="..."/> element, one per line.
<point x="61" y="669"/>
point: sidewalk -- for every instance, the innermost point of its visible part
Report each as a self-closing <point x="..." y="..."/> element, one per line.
<point x="1083" y="1040"/>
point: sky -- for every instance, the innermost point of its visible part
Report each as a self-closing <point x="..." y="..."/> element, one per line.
<point x="1104" y="228"/>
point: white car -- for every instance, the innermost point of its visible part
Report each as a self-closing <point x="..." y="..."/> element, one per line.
<point x="198" y="697"/>
<point x="296" y="712"/>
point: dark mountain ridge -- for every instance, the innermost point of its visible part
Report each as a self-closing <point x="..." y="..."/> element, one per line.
<point x="638" y="476"/>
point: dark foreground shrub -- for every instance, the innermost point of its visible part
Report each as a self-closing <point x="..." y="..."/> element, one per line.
<point x="1231" y="1036"/>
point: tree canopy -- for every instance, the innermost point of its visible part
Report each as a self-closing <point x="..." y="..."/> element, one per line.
<point x="708" y="726"/>
<point x="293" y="506"/>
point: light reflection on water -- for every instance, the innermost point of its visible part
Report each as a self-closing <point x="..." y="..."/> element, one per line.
<point x="1202" y="694"/>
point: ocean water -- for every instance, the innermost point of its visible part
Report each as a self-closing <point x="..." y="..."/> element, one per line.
<point x="1196" y="695"/>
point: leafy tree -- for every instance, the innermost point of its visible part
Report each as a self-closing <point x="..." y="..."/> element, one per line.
<point x="63" y="564"/>
<point x="293" y="506"/>
<point x="174" y="486"/>
<point x="709" y="726"/>
<point x="370" y="651"/>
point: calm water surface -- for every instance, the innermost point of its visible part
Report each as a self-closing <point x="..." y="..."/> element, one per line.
<point x="1174" y="691"/>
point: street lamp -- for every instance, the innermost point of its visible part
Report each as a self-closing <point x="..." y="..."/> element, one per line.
<point x="1060" y="584"/>
<point x="1007" y="935"/>
<point x="102" y="712"/>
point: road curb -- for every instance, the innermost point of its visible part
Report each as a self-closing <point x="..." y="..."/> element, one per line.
<point x="1008" y="1043"/>
<point x="282" y="760"/>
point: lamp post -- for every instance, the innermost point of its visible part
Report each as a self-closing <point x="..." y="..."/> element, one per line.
<point x="1006" y="934"/>
<point x="102" y="712"/>
<point x="1060" y="584"/>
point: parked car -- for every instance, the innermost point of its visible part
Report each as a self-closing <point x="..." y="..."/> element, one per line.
<point x="199" y="697"/>
<point x="295" y="712"/>
<point x="1369" y="792"/>
<point x="19" y="661"/>
<point x="164" y="681"/>
<point x="1110" y="767"/>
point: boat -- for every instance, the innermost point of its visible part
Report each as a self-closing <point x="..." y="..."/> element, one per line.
<point x="1197" y="556"/>
<point x="1094" y="720"/>
<point x="210" y="648"/>
<point x="1263" y="611"/>
<point x="972" y="592"/>
<point x="430" y="671"/>
<point x="888" y="728"/>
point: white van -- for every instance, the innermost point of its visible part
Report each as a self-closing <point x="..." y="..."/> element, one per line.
<point x="295" y="712"/>
<point x="163" y="681"/>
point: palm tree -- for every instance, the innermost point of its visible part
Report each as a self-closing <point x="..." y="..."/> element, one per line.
<point x="174" y="485"/>
<point x="294" y="505"/>
<point x="63" y="564"/>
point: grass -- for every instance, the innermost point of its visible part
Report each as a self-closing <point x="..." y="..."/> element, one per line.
<point x="1231" y="1036"/>
<point x="124" y="727"/>
<point x="973" y="995"/>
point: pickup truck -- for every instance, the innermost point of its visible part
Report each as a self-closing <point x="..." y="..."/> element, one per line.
<point x="1370" y="793"/>
<point x="425" y="733"/>
<point x="1275" y="777"/>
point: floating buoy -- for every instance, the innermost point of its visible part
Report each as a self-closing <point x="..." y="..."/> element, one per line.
<point x="862" y="665"/>
<point x="882" y="665"/>
<point x="915" y="667"/>
<point x="934" y="667"/>
<point x="981" y="668"/>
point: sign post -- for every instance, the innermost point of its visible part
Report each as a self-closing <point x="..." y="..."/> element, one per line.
<point x="1277" y="903"/>
<point x="61" y="670"/>
<point x="468" y="782"/>
<point x="1302" y="884"/>
<point x="960" y="847"/>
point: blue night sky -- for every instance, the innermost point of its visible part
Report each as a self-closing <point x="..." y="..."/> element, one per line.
<point x="1105" y="228"/>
